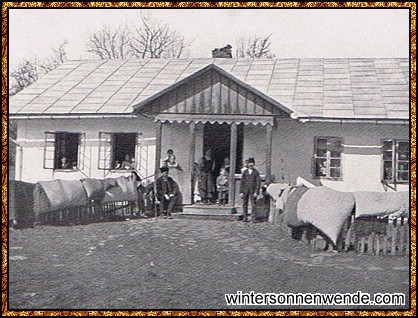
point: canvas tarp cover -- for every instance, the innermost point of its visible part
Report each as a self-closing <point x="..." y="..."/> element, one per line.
<point x="95" y="189"/>
<point x="279" y="193"/>
<point x="58" y="194"/>
<point x="275" y="189"/>
<point x="291" y="218"/>
<point x="326" y="209"/>
<point x="120" y="189"/>
<point x="21" y="203"/>
<point x="394" y="204"/>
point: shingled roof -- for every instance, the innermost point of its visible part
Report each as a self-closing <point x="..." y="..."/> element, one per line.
<point x="326" y="88"/>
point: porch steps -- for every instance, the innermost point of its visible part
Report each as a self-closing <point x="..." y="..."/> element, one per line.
<point x="209" y="211"/>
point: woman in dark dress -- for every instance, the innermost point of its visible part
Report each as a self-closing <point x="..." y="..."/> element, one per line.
<point x="206" y="181"/>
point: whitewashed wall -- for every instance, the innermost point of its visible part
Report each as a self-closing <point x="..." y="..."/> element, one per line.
<point x="31" y="135"/>
<point x="293" y="148"/>
<point x="176" y="136"/>
<point x="255" y="145"/>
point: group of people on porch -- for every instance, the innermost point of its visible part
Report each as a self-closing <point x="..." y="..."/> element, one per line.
<point x="208" y="189"/>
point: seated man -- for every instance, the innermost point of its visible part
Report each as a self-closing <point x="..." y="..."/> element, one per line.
<point x="64" y="164"/>
<point x="167" y="192"/>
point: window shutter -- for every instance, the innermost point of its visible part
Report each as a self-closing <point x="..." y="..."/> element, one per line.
<point x="141" y="155"/>
<point x="105" y="151"/>
<point x="313" y="166"/>
<point x="49" y="150"/>
<point x="81" y="151"/>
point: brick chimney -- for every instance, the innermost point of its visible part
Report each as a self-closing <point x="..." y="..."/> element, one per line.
<point x="224" y="52"/>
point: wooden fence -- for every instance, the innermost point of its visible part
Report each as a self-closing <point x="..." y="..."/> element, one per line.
<point x="372" y="235"/>
<point x="90" y="213"/>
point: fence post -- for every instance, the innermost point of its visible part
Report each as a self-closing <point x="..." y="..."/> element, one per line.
<point x="362" y="245"/>
<point x="385" y="244"/>
<point x="394" y="236"/>
<point x="401" y="237"/>
<point x="370" y="244"/>
<point x="377" y="245"/>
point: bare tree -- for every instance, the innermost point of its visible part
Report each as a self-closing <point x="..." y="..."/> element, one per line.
<point x="58" y="57"/>
<point x="28" y="71"/>
<point x="254" y="47"/>
<point x="23" y="76"/>
<point x="111" y="42"/>
<point x="152" y="39"/>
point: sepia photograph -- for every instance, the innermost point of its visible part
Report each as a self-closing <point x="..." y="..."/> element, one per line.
<point x="208" y="159"/>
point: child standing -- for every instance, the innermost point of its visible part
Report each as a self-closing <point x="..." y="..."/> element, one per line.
<point x="222" y="186"/>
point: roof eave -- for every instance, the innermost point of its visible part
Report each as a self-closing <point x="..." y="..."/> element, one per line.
<point x="348" y="120"/>
<point x="72" y="116"/>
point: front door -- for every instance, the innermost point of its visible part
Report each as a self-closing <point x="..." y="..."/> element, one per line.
<point x="218" y="138"/>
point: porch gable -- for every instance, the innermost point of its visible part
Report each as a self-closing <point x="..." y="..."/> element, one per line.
<point x="212" y="91"/>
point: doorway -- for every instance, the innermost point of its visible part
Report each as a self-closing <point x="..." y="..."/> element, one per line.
<point x="218" y="138"/>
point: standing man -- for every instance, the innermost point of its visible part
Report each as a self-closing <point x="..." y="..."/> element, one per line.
<point x="250" y="187"/>
<point x="167" y="192"/>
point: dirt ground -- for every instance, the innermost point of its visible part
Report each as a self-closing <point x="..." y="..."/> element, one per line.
<point x="169" y="264"/>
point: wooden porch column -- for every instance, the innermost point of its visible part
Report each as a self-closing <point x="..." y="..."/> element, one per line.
<point x="192" y="150"/>
<point x="233" y="164"/>
<point x="269" y="129"/>
<point x="159" y="130"/>
<point x="158" y="142"/>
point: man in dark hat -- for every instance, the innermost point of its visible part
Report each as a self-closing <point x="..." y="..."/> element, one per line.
<point x="249" y="189"/>
<point x="167" y="192"/>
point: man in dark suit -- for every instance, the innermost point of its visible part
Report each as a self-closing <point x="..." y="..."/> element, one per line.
<point x="250" y="187"/>
<point x="167" y="192"/>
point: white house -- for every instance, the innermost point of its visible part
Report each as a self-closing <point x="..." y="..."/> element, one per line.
<point x="340" y="122"/>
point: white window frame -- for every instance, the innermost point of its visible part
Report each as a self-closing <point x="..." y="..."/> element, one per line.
<point x="50" y="155"/>
<point x="328" y="159"/>
<point x="107" y="152"/>
<point x="395" y="159"/>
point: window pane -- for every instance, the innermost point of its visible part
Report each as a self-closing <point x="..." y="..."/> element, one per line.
<point x="387" y="155"/>
<point x="403" y="156"/>
<point x="403" y="146"/>
<point x="321" y="167"/>
<point x="403" y="166"/>
<point x="335" y="144"/>
<point x="335" y="147"/>
<point x="321" y="152"/>
<point x="335" y="172"/>
<point x="124" y="151"/>
<point x="335" y="163"/>
<point x="321" y="144"/>
<point x="335" y="153"/>
<point x="66" y="150"/>
<point x="402" y="163"/>
<point x="403" y="176"/>
<point x="387" y="170"/>
<point x="387" y="145"/>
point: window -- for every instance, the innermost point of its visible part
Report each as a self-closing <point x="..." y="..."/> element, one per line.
<point x="63" y="150"/>
<point x="122" y="151"/>
<point x="327" y="158"/>
<point x="395" y="160"/>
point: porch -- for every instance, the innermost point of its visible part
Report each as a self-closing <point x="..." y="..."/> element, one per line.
<point x="213" y="109"/>
<point x="236" y="140"/>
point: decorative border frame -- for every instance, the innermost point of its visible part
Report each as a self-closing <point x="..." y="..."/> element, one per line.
<point x="4" y="106"/>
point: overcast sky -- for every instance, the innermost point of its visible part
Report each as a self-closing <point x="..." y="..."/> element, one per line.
<point x="295" y="32"/>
